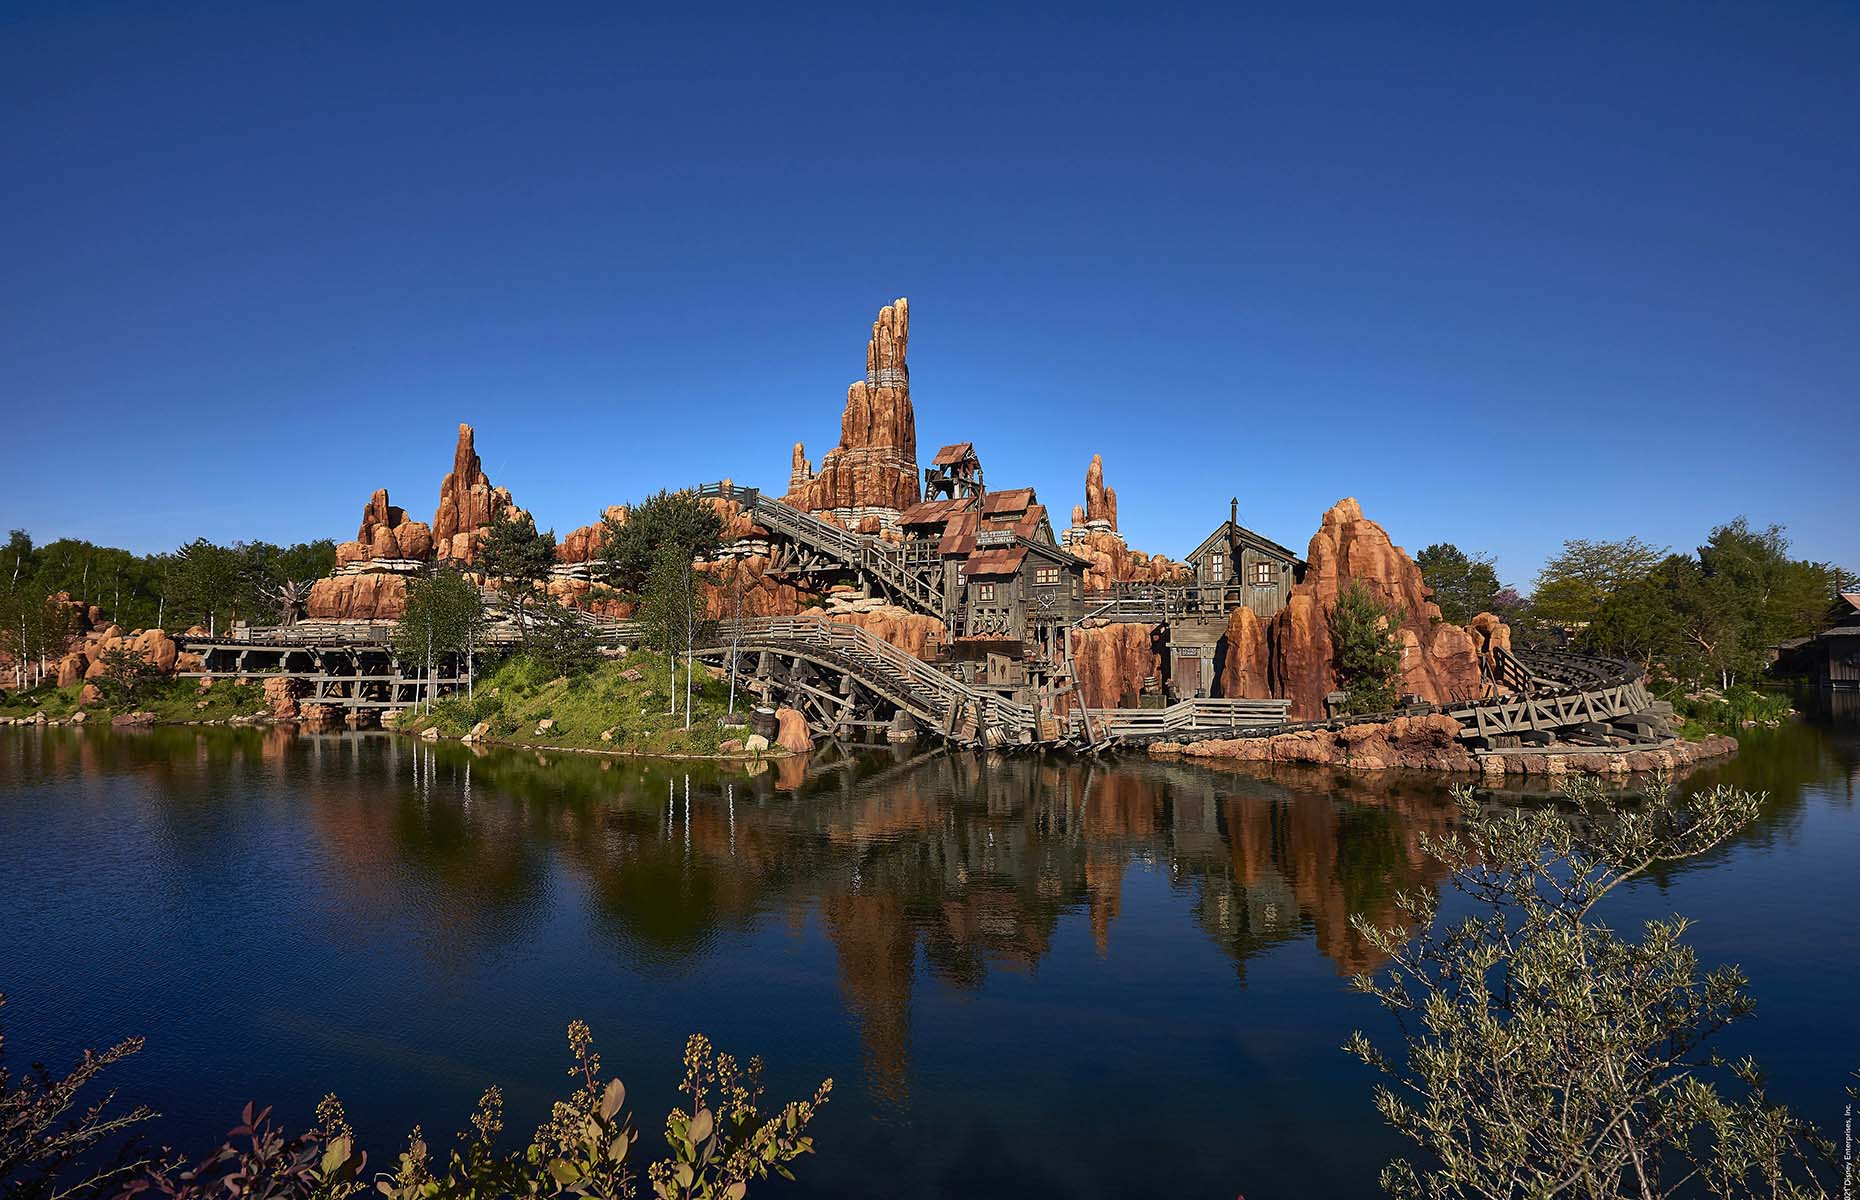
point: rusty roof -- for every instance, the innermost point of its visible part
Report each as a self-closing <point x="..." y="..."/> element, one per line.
<point x="952" y="454"/>
<point x="1012" y="501"/>
<point x="933" y="512"/>
<point x="958" y="535"/>
<point x="994" y="562"/>
<point x="1029" y="522"/>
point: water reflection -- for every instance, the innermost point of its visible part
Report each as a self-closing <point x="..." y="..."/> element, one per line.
<point x="377" y="903"/>
<point x="967" y="861"/>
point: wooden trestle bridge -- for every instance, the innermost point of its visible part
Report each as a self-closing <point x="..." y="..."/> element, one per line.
<point x="851" y="683"/>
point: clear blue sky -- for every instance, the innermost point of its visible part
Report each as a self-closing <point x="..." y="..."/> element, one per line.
<point x="1506" y="276"/>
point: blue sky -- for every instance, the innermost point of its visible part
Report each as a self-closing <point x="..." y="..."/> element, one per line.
<point x="1507" y="276"/>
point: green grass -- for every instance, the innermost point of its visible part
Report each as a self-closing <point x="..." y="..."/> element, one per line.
<point x="172" y="701"/>
<point x="1736" y="709"/>
<point x="520" y="693"/>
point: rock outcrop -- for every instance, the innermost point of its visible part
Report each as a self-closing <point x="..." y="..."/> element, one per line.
<point x="377" y="596"/>
<point x="583" y="544"/>
<point x="1439" y="662"/>
<point x="875" y="464"/>
<point x="386" y="533"/>
<point x="1113" y="662"/>
<point x="1244" y="664"/>
<point x="1100" y="501"/>
<point x="1094" y="538"/>
<point x="467" y="503"/>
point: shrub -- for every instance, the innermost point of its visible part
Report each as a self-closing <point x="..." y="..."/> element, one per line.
<point x="1548" y="1055"/>
<point x="716" y="1147"/>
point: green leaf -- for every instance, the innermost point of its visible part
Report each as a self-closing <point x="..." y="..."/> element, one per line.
<point x="612" y="1099"/>
<point x="563" y="1172"/>
<point x="701" y="1126"/>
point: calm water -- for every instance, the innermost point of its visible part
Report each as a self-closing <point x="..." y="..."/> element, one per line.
<point x="1027" y="978"/>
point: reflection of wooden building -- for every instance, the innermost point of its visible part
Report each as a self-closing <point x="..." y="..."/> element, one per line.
<point x="1253" y="571"/>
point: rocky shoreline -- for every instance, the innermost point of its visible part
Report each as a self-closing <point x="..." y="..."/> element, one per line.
<point x="1431" y="743"/>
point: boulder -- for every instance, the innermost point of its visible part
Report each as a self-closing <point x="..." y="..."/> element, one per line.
<point x="793" y="735"/>
<point x="281" y="695"/>
<point x="378" y="596"/>
<point x="755" y="743"/>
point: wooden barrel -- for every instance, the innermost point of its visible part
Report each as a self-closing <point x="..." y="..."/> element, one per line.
<point x="763" y="721"/>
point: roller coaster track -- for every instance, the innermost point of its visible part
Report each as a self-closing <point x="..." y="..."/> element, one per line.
<point x="915" y="585"/>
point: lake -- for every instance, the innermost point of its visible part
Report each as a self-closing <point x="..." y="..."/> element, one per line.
<point x="1027" y="977"/>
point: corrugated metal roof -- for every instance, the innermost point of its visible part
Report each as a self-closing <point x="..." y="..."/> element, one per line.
<point x="1011" y="501"/>
<point x="994" y="562"/>
<point x="952" y="454"/>
<point x="932" y="512"/>
<point x="1029" y="522"/>
<point x="958" y="535"/>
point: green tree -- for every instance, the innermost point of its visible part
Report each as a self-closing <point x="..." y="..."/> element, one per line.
<point x="563" y="639"/>
<point x="672" y="612"/>
<point x="206" y="581"/>
<point x="1464" y="585"/>
<point x="126" y="676"/>
<point x="665" y="522"/>
<point x="1547" y="1055"/>
<point x="34" y="631"/>
<point x="1573" y="586"/>
<point x="444" y="615"/>
<point x="512" y="553"/>
<point x="1366" y="650"/>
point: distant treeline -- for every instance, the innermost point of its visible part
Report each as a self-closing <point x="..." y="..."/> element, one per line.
<point x="191" y="585"/>
<point x="1708" y="619"/>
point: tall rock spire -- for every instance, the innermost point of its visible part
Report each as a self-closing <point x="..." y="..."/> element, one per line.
<point x="467" y="502"/>
<point x="875" y="464"/>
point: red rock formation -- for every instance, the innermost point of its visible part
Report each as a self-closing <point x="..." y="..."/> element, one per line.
<point x="1094" y="538"/>
<point x="377" y="596"/>
<point x="1245" y="665"/>
<point x="583" y="544"/>
<point x="1111" y="662"/>
<point x="1100" y="501"/>
<point x="1439" y="661"/>
<point x="386" y="533"/>
<point x="467" y="502"/>
<point x="1428" y="742"/>
<point x="913" y="633"/>
<point x="792" y="734"/>
<point x="875" y="464"/>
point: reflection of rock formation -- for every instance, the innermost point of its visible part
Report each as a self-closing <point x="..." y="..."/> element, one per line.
<point x="873" y="470"/>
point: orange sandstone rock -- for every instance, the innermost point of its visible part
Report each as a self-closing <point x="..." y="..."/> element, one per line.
<point x="875" y="463"/>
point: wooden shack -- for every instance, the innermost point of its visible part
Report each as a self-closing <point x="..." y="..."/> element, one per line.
<point x="1237" y="567"/>
<point x="1004" y="573"/>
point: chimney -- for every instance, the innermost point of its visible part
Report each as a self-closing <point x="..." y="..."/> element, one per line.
<point x="1233" y="510"/>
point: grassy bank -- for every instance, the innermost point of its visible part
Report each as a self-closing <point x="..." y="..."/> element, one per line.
<point x="627" y="698"/>
<point x="173" y="701"/>
<point x="1736" y="709"/>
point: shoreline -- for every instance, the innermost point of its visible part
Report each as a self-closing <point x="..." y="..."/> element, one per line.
<point x="1405" y="744"/>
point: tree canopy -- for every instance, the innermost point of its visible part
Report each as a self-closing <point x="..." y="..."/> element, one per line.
<point x="678" y="523"/>
<point x="1464" y="585"/>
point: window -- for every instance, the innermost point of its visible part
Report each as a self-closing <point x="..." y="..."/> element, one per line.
<point x="1217" y="567"/>
<point x="985" y="592"/>
<point x="1263" y="574"/>
<point x="1046" y="576"/>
